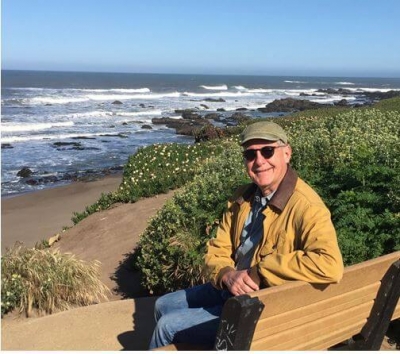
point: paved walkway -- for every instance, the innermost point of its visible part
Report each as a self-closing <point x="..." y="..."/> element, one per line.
<point x="116" y="325"/>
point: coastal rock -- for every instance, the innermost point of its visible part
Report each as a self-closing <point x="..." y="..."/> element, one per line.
<point x="290" y="105"/>
<point x="377" y="95"/>
<point x="208" y="132"/>
<point x="66" y="143"/>
<point x="118" y="135"/>
<point x="147" y="126"/>
<point x="239" y="117"/>
<point x="62" y="146"/>
<point x="215" y="100"/>
<point x="342" y="103"/>
<point x="189" y="114"/>
<point x="182" y="126"/>
<point x="116" y="102"/>
<point x="7" y="146"/>
<point x="339" y="91"/>
<point x="24" y="172"/>
<point x="212" y="116"/>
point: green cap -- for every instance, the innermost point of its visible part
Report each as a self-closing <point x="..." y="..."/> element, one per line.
<point x="263" y="130"/>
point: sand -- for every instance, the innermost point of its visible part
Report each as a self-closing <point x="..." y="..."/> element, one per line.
<point x="126" y="320"/>
<point x="32" y="217"/>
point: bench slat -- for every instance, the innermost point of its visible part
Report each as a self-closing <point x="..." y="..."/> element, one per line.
<point x="325" y="326"/>
<point x="313" y="312"/>
<point x="285" y="297"/>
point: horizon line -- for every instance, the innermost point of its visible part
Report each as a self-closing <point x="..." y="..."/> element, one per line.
<point x="202" y="74"/>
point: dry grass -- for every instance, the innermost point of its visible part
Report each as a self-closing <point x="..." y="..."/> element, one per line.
<point x="47" y="280"/>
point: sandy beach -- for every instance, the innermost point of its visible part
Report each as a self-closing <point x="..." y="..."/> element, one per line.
<point x="32" y="217"/>
<point x="124" y="322"/>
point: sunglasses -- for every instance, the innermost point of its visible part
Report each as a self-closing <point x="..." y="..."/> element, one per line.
<point x="267" y="152"/>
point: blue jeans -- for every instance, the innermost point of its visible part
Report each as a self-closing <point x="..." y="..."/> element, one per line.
<point x="188" y="316"/>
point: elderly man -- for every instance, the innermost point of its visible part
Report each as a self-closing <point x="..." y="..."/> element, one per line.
<point x="276" y="229"/>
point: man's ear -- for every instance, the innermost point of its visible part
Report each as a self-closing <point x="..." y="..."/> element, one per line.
<point x="287" y="153"/>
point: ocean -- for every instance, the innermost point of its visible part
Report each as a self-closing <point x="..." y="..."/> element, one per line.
<point x="64" y="125"/>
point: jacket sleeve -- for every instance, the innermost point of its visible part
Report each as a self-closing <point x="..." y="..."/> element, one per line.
<point x="219" y="257"/>
<point x="316" y="257"/>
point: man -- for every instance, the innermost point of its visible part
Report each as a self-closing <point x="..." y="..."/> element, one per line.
<point x="276" y="229"/>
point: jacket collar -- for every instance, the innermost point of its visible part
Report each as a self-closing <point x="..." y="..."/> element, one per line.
<point x="282" y="194"/>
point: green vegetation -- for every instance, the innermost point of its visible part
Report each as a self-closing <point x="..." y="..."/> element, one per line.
<point x="172" y="247"/>
<point x="350" y="156"/>
<point x="46" y="280"/>
<point x="153" y="170"/>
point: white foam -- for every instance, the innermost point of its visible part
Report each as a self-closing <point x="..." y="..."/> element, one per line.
<point x="5" y="127"/>
<point x="332" y="99"/>
<point x="16" y="139"/>
<point x="140" y="90"/>
<point x="55" y="100"/>
<point x="132" y="97"/>
<point x="218" y="94"/>
<point x="367" y="89"/>
<point x="83" y="115"/>
<point x="295" y="82"/>
<point x="138" y="114"/>
<point x="221" y="87"/>
<point x="344" y="83"/>
<point x="240" y="88"/>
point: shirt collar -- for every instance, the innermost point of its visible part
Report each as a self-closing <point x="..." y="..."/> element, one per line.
<point x="280" y="197"/>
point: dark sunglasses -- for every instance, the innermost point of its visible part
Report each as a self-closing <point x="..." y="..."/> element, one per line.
<point x="267" y="152"/>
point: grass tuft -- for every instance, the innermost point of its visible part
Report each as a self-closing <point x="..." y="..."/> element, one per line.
<point x="47" y="280"/>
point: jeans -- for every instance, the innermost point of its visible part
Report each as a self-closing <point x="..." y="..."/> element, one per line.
<point x="188" y="316"/>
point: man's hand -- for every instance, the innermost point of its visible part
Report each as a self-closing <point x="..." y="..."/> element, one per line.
<point x="239" y="282"/>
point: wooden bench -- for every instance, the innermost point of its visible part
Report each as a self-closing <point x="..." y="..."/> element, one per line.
<point x="303" y="316"/>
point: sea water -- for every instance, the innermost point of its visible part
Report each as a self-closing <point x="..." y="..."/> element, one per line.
<point x="72" y="123"/>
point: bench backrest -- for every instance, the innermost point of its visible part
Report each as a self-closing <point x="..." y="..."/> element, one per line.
<point x="303" y="316"/>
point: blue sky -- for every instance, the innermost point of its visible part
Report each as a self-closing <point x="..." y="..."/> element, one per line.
<point x="256" y="37"/>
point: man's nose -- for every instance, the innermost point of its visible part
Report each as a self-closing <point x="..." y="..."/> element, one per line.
<point x="260" y="159"/>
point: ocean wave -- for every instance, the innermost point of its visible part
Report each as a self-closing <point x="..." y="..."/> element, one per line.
<point x="240" y="88"/>
<point x="139" y="90"/>
<point x="218" y="94"/>
<point x="295" y="82"/>
<point x="55" y="100"/>
<point x="138" y="114"/>
<point x="370" y="89"/>
<point x="9" y="128"/>
<point x="220" y="87"/>
<point x="332" y="99"/>
<point x="83" y="115"/>
<point x="344" y="83"/>
<point x="132" y="97"/>
<point x="18" y="139"/>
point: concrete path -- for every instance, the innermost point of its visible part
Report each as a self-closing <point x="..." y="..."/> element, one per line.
<point x="115" y="325"/>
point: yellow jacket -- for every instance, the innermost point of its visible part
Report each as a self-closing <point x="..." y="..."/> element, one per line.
<point x="299" y="241"/>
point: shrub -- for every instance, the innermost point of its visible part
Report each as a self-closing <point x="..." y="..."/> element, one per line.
<point x="47" y="280"/>
<point x="153" y="170"/>
<point x="171" y="250"/>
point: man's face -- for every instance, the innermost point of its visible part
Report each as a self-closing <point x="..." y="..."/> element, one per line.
<point x="267" y="173"/>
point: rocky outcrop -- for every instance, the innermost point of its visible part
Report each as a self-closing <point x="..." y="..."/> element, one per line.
<point x="24" y="172"/>
<point x="290" y="105"/>
<point x="183" y="126"/>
